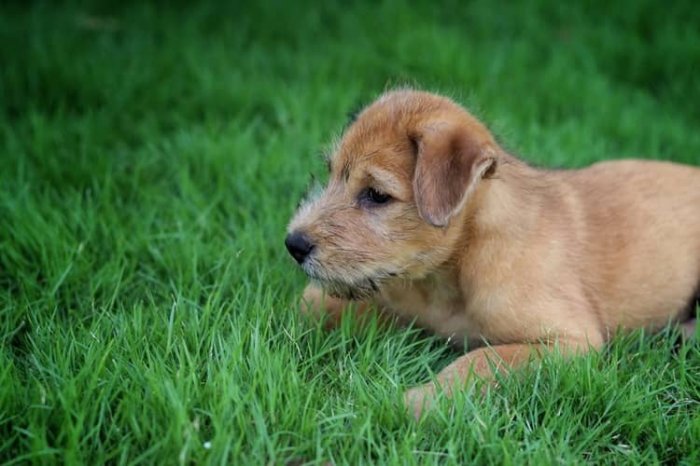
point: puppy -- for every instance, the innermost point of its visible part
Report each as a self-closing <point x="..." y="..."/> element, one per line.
<point x="427" y="218"/>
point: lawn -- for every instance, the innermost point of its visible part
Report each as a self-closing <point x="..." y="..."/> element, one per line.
<point x="151" y="155"/>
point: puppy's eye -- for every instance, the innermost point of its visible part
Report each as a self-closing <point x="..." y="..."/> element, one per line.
<point x="373" y="197"/>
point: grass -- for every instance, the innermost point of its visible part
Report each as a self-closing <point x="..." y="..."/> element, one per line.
<point x="151" y="155"/>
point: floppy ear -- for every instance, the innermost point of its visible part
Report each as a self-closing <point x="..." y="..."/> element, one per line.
<point x="449" y="165"/>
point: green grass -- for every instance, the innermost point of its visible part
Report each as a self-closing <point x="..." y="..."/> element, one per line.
<point x="150" y="157"/>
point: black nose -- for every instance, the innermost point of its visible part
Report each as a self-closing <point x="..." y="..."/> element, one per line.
<point x="298" y="246"/>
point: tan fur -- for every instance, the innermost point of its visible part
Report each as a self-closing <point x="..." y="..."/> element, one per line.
<point x="477" y="245"/>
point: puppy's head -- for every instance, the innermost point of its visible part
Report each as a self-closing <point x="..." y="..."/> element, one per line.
<point x="399" y="178"/>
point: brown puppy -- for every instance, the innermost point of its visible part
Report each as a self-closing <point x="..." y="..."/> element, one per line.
<point x="427" y="218"/>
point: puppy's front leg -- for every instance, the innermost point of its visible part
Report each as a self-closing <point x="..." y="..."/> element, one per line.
<point x="481" y="363"/>
<point x="317" y="304"/>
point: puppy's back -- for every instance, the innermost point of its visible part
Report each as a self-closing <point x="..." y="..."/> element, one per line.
<point x="640" y="247"/>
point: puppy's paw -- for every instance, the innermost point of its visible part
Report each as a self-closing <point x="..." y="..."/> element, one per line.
<point x="688" y="329"/>
<point x="312" y="302"/>
<point x="420" y="400"/>
<point x="316" y="305"/>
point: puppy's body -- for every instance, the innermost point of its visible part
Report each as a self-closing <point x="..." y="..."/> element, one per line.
<point x="428" y="218"/>
<point x="567" y="253"/>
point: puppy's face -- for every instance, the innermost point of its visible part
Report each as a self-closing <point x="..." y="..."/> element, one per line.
<point x="397" y="177"/>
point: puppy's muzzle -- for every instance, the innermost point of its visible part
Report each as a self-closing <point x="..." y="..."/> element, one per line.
<point x="298" y="246"/>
